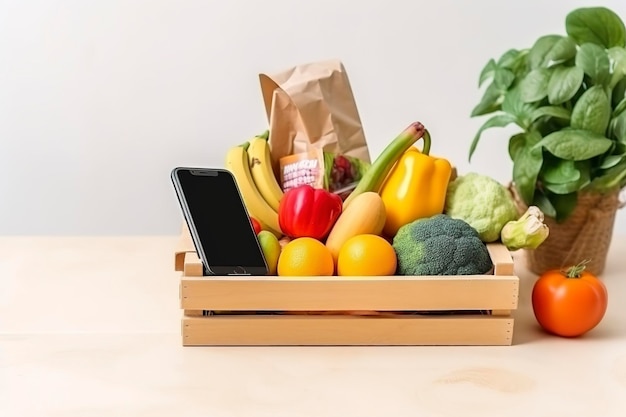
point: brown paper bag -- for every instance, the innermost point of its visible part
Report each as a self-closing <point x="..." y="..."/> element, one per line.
<point x="312" y="106"/>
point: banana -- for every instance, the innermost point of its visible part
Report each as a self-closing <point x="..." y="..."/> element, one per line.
<point x="261" y="167"/>
<point x="237" y="163"/>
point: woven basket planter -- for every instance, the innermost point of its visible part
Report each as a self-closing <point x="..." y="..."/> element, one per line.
<point x="585" y="235"/>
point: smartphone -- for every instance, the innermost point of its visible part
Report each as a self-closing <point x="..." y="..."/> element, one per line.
<point x="220" y="225"/>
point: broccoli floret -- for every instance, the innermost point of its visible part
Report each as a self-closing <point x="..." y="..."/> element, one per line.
<point x="440" y="245"/>
<point x="482" y="202"/>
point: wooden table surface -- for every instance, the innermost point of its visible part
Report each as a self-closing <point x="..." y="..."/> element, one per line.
<point x="90" y="327"/>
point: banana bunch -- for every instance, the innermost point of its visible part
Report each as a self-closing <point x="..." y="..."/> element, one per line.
<point x="251" y="165"/>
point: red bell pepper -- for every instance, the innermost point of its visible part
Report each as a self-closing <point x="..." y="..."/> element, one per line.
<point x="305" y="211"/>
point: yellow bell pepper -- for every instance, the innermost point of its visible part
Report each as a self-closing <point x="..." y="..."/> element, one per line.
<point x="415" y="187"/>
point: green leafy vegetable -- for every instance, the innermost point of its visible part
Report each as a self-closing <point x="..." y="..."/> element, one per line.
<point x="563" y="84"/>
<point x="500" y="120"/>
<point x="551" y="111"/>
<point x="562" y="204"/>
<point x="618" y="56"/>
<point x="528" y="161"/>
<point x="598" y="25"/>
<point x="561" y="171"/>
<point x="611" y="160"/>
<point x="487" y="72"/>
<point x="575" y="144"/>
<point x="512" y="104"/>
<point x="618" y="127"/>
<point x="534" y="86"/>
<point x="592" y="111"/>
<point x="551" y="49"/>
<point x="566" y="94"/>
<point x="490" y="101"/>
<point x="621" y="106"/>
<point x="594" y="61"/>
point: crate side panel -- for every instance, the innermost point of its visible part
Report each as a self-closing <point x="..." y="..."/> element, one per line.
<point x="355" y="293"/>
<point x="193" y="265"/>
<point x="345" y="330"/>
<point x="184" y="246"/>
<point x="499" y="254"/>
<point x="501" y="259"/>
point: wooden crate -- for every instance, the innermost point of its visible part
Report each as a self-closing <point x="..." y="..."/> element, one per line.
<point x="385" y="310"/>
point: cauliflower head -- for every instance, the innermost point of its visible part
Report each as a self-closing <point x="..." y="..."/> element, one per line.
<point x="482" y="202"/>
<point x="440" y="245"/>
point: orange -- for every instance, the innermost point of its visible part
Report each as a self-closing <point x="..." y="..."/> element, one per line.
<point x="366" y="255"/>
<point x="305" y="256"/>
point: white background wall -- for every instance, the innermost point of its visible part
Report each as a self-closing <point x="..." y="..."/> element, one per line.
<point x="99" y="100"/>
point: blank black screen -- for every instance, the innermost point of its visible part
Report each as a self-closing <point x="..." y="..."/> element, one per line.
<point x="221" y="220"/>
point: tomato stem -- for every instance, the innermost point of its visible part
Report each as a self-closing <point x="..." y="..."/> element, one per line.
<point x="576" y="271"/>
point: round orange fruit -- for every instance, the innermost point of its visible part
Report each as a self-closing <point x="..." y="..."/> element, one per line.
<point x="305" y="256"/>
<point x="366" y="255"/>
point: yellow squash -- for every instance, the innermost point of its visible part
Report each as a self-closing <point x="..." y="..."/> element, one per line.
<point x="365" y="215"/>
<point x="415" y="188"/>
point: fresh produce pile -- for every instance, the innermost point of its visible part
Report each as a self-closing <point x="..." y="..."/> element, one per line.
<point x="321" y="207"/>
<point x="407" y="215"/>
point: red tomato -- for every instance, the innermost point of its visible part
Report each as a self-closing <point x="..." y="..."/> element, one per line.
<point x="256" y="225"/>
<point x="569" y="303"/>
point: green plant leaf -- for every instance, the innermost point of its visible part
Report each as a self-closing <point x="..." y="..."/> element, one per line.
<point x="575" y="144"/>
<point x="539" y="54"/>
<point x="514" y="105"/>
<point x="499" y="120"/>
<point x="564" y="82"/>
<point x="617" y="127"/>
<point x="515" y="144"/>
<point x="619" y="92"/>
<point x="568" y="187"/>
<point x="598" y="25"/>
<point x="621" y="106"/>
<point x="562" y="50"/>
<point x="503" y="78"/>
<point x="487" y="72"/>
<point x="611" y="178"/>
<point x="526" y="164"/>
<point x="611" y="160"/>
<point x="559" y="171"/>
<point x="563" y="204"/>
<point x="592" y="111"/>
<point x="489" y="102"/>
<point x="534" y="86"/>
<point x="617" y="57"/>
<point x="508" y="59"/>
<point x="545" y="205"/>
<point x="594" y="61"/>
<point x="520" y="65"/>
<point x="551" y="111"/>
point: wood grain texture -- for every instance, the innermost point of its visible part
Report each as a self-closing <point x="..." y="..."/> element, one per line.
<point x="472" y="292"/>
<point x="346" y="330"/>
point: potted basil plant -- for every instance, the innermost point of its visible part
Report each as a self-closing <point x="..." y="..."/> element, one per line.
<point x="566" y="94"/>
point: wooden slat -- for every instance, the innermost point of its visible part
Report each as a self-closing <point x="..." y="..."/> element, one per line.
<point x="501" y="258"/>
<point x="192" y="266"/>
<point x="470" y="292"/>
<point x="191" y="262"/>
<point x="193" y="313"/>
<point x="345" y="330"/>
<point x="184" y="246"/>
